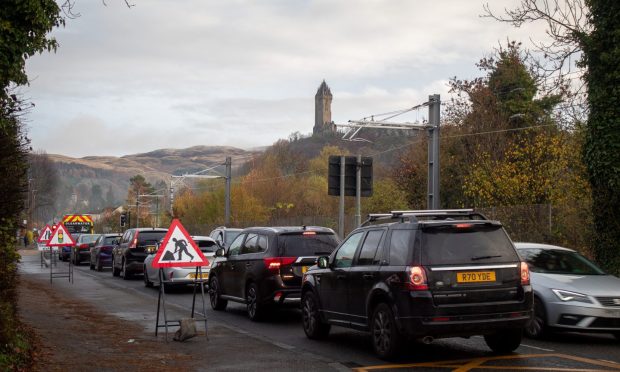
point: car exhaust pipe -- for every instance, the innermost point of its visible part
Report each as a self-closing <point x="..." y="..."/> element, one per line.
<point x="427" y="340"/>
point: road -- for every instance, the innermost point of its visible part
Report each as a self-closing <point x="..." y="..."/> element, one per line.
<point x="344" y="349"/>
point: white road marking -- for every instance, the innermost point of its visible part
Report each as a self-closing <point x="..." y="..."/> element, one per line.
<point x="537" y="348"/>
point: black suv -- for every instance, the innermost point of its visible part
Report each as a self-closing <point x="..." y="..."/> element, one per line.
<point x="429" y="274"/>
<point x="129" y="254"/>
<point x="263" y="266"/>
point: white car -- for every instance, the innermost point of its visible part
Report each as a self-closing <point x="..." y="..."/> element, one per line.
<point x="179" y="275"/>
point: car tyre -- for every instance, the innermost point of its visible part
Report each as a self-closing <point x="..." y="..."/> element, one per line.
<point x="124" y="273"/>
<point x="505" y="341"/>
<point x="386" y="337"/>
<point x="313" y="325"/>
<point x="91" y="265"/>
<point x="98" y="265"/>
<point x="254" y="308"/>
<point x="115" y="271"/>
<point x="147" y="282"/>
<point x="217" y="303"/>
<point x="536" y="327"/>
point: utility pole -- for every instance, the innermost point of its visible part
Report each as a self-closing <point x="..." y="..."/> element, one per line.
<point x="228" y="184"/>
<point x="137" y="212"/>
<point x="358" y="191"/>
<point x="341" y="205"/>
<point x="434" y="109"/>
<point x="157" y="196"/>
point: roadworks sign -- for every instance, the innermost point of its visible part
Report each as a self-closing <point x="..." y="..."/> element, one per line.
<point x="178" y="249"/>
<point x="60" y="237"/>
<point x="45" y="234"/>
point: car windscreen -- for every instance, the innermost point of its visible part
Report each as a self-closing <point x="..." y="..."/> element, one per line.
<point x="307" y="244"/>
<point x="150" y="237"/>
<point x="111" y="240"/>
<point x="556" y="261"/>
<point x="466" y="244"/>
<point x="230" y="236"/>
<point x="207" y="246"/>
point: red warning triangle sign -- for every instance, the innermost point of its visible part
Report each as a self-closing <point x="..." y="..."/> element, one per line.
<point x="45" y="234"/>
<point x="60" y="237"/>
<point x="178" y="249"/>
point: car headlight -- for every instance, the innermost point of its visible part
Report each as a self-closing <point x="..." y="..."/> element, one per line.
<point x="571" y="296"/>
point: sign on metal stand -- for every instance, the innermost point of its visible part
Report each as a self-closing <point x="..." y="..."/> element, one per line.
<point x="60" y="238"/>
<point x="178" y="249"/>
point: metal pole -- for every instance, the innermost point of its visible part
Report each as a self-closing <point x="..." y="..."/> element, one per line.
<point x="434" y="110"/>
<point x="227" y="197"/>
<point x="137" y="212"/>
<point x="157" y="208"/>
<point x="358" y="192"/>
<point x="341" y="206"/>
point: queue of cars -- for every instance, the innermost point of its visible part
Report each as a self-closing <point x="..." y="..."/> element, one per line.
<point x="403" y="275"/>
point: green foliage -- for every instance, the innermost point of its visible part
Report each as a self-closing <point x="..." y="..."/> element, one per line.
<point x="601" y="53"/>
<point x="24" y="25"/>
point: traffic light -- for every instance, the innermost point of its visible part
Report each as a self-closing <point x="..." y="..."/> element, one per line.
<point x="123" y="219"/>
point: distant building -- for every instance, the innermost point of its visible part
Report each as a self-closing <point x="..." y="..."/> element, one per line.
<point x="323" y="110"/>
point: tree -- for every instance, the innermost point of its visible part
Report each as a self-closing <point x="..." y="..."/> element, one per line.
<point x="24" y="28"/>
<point x="589" y="29"/>
<point x="44" y="186"/>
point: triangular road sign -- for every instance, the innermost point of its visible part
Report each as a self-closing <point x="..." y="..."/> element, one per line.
<point x="45" y="234"/>
<point x="60" y="237"/>
<point x="178" y="249"/>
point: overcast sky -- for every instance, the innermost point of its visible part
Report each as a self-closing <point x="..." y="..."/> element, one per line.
<point x="179" y="73"/>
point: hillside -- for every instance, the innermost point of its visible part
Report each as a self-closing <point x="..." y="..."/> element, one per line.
<point x="106" y="178"/>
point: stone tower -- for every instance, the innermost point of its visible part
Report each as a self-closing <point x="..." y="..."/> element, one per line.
<point x="323" y="110"/>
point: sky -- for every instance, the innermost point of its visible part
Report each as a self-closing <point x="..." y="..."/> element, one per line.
<point x="175" y="74"/>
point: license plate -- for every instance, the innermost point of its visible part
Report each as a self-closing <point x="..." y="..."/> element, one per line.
<point x="475" y="276"/>
<point x="202" y="276"/>
<point x="304" y="269"/>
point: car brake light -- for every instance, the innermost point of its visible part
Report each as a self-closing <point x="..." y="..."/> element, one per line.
<point x="274" y="263"/>
<point x="83" y="245"/>
<point x="134" y="243"/>
<point x="417" y="279"/>
<point x="525" y="274"/>
<point x="309" y="233"/>
<point x="464" y="225"/>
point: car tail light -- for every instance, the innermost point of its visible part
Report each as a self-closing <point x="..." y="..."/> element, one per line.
<point x="308" y="233"/>
<point x="274" y="263"/>
<point x="525" y="274"/>
<point x="134" y="243"/>
<point x="417" y="279"/>
<point x="83" y="245"/>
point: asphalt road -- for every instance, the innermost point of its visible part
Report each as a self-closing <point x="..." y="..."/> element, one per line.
<point x="352" y="349"/>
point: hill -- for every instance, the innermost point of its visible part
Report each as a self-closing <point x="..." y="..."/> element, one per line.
<point x="92" y="182"/>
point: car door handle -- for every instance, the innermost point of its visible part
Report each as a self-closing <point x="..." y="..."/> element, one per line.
<point x="340" y="277"/>
<point x="248" y="264"/>
<point x="368" y="276"/>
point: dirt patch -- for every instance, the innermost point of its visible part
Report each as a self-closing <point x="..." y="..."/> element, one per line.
<point x="75" y="336"/>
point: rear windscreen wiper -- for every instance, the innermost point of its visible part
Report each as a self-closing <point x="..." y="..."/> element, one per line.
<point x="476" y="258"/>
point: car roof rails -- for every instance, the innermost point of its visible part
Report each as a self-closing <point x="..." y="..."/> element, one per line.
<point x="416" y="215"/>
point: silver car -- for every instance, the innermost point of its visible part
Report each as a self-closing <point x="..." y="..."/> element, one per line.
<point x="570" y="292"/>
<point x="179" y="275"/>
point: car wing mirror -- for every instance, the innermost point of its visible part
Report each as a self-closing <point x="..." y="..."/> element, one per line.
<point x="219" y="252"/>
<point x="323" y="262"/>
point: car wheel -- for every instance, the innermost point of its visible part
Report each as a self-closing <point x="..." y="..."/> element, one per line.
<point x="124" y="273"/>
<point x="217" y="303"/>
<point x="536" y="327"/>
<point x="147" y="282"/>
<point x="98" y="265"/>
<point x="254" y="307"/>
<point x="386" y="338"/>
<point x="505" y="341"/>
<point x="91" y="264"/>
<point x="313" y="325"/>
<point x="115" y="271"/>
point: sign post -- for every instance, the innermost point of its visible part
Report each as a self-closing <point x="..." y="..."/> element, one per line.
<point x="44" y="237"/>
<point x="60" y="238"/>
<point x="178" y="249"/>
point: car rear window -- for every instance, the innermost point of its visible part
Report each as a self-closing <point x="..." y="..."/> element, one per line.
<point x="307" y="244"/>
<point x="111" y="239"/>
<point x="150" y="237"/>
<point x="88" y="238"/>
<point x="207" y="246"/>
<point x="466" y="244"/>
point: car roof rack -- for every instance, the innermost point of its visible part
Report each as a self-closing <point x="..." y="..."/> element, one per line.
<point x="416" y="215"/>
